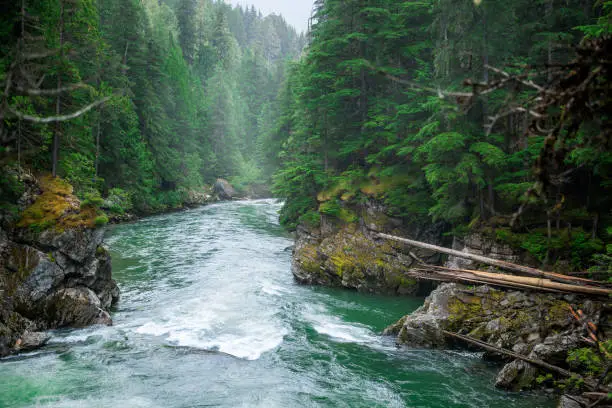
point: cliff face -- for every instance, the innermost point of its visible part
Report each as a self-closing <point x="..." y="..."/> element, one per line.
<point x="351" y="256"/>
<point x="57" y="277"/>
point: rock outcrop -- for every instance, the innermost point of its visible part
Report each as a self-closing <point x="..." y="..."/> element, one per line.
<point x="57" y="277"/>
<point x="539" y="326"/>
<point x="349" y="255"/>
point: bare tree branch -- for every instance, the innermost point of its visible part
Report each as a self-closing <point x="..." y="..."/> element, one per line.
<point x="59" y="118"/>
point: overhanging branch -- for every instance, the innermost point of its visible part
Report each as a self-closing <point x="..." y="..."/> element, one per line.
<point x="60" y="118"/>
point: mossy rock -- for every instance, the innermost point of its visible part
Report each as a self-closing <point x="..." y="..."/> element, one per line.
<point x="57" y="208"/>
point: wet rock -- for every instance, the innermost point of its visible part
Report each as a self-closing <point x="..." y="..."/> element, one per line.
<point x="224" y="189"/>
<point x="516" y="376"/>
<point x="567" y="401"/>
<point x="423" y="328"/>
<point x="554" y="348"/>
<point x="479" y="244"/>
<point x="31" y="340"/>
<point x="75" y="307"/>
<point x="195" y="198"/>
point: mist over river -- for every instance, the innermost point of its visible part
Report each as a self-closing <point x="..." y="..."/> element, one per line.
<point x="210" y="316"/>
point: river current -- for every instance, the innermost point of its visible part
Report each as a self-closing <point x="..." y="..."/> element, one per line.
<point x="210" y="316"/>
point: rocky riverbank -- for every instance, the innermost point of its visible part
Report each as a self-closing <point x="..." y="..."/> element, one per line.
<point x="536" y="325"/>
<point x="54" y="269"/>
<point x="335" y="253"/>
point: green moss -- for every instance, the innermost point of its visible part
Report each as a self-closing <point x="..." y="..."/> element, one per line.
<point x="57" y="208"/>
<point x="342" y="187"/>
<point x="335" y="209"/>
<point x="377" y="219"/>
<point x="101" y="220"/>
<point x="559" y="311"/>
<point x="478" y="333"/>
<point x="308" y="259"/>
<point x="461" y="311"/>
<point x="406" y="282"/>
<point x="378" y="184"/>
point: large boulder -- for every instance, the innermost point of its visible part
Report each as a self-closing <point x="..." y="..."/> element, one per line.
<point x="516" y="376"/>
<point x="224" y="189"/>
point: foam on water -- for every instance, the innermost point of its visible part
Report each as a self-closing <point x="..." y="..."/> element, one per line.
<point x="332" y="326"/>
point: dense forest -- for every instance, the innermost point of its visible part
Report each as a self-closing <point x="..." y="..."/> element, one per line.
<point x="142" y="100"/>
<point x="433" y="108"/>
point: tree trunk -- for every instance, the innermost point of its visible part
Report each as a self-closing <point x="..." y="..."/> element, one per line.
<point x="58" y="104"/>
<point x="485" y="46"/>
<point x="97" y="150"/>
<point x="549" y="12"/>
<point x="491" y="197"/>
<point x="125" y="56"/>
<point x="482" y="208"/>
<point x="19" y="145"/>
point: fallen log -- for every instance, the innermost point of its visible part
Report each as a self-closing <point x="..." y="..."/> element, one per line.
<point x="437" y="273"/>
<point x="590" y="384"/>
<point x="449" y="277"/>
<point x="492" y="262"/>
<point x="538" y="283"/>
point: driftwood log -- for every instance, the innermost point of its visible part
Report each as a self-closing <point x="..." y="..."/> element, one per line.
<point x="536" y="279"/>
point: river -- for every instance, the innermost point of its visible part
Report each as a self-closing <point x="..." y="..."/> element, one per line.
<point x="210" y="317"/>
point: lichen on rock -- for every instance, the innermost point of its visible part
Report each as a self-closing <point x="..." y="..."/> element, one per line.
<point x="337" y="253"/>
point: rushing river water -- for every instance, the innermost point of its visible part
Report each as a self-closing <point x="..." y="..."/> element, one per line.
<point x="210" y="317"/>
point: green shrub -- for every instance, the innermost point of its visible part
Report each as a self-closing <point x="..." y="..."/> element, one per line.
<point x="92" y="200"/>
<point x="101" y="220"/>
<point x="590" y="359"/>
<point x="118" y="201"/>
<point x="311" y="218"/>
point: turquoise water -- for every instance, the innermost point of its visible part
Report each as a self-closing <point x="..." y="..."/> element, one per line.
<point x="210" y="317"/>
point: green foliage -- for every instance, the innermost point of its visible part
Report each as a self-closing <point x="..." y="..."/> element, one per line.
<point x="311" y="218"/>
<point x="100" y="220"/>
<point x="334" y="208"/>
<point x="11" y="188"/>
<point x="118" y="201"/>
<point x="360" y="117"/>
<point x="92" y="200"/>
<point x="192" y="89"/>
<point x="591" y="359"/>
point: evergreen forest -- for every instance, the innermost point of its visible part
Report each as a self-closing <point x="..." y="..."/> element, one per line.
<point x="175" y="94"/>
<point x="448" y="113"/>
<point x="453" y="113"/>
